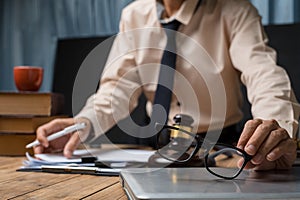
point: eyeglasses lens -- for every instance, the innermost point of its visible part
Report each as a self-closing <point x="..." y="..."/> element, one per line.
<point x="180" y="147"/>
<point x="228" y="161"/>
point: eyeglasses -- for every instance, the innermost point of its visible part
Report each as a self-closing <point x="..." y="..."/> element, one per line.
<point x="222" y="160"/>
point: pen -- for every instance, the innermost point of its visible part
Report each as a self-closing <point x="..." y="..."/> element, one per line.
<point x="81" y="170"/>
<point x="65" y="131"/>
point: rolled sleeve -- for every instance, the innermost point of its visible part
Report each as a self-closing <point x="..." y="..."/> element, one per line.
<point x="119" y="89"/>
<point x="268" y="85"/>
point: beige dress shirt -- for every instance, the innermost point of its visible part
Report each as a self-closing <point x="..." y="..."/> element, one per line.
<point x="220" y="45"/>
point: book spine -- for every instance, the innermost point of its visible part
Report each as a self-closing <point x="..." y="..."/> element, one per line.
<point x="13" y="144"/>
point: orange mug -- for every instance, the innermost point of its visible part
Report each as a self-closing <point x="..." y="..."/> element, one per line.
<point x="28" y="78"/>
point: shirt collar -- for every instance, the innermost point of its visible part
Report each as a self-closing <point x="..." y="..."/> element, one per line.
<point x="183" y="15"/>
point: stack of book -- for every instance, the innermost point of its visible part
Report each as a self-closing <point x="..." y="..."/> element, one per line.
<point x="21" y="113"/>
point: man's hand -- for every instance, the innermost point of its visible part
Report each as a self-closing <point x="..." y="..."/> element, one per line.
<point x="269" y="144"/>
<point x="67" y="143"/>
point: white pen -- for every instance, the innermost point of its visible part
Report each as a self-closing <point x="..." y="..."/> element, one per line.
<point x="61" y="133"/>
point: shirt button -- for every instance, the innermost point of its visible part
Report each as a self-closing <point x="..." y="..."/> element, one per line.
<point x="178" y="103"/>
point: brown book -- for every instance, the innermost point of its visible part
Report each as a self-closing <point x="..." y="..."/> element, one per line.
<point x="31" y="103"/>
<point x="22" y="124"/>
<point x="14" y="144"/>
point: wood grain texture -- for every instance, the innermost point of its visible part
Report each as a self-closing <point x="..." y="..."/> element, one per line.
<point x="38" y="185"/>
<point x="113" y="192"/>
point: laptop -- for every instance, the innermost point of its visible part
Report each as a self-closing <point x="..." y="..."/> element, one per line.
<point x="198" y="183"/>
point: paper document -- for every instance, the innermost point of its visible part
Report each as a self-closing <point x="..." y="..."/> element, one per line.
<point x="107" y="155"/>
<point x="117" y="158"/>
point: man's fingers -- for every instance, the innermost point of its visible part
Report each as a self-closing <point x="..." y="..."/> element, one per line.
<point x="41" y="136"/>
<point x="38" y="149"/>
<point x="68" y="143"/>
<point x="261" y="133"/>
<point x="71" y="145"/>
<point x="286" y="147"/>
<point x="248" y="165"/>
<point x="50" y="128"/>
<point x="248" y="131"/>
<point x="275" y="138"/>
<point x="281" y="157"/>
<point x="269" y="144"/>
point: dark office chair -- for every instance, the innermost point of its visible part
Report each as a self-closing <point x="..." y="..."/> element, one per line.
<point x="70" y="54"/>
<point x="285" y="39"/>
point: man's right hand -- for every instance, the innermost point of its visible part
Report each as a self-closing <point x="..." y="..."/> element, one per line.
<point x="67" y="143"/>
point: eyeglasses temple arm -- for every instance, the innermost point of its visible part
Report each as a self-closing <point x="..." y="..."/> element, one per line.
<point x="221" y="151"/>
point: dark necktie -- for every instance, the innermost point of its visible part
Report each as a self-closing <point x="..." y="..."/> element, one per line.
<point x="163" y="92"/>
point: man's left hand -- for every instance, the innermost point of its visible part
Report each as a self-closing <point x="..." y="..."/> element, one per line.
<point x="269" y="144"/>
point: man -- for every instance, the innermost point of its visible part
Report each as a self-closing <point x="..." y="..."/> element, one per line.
<point x="228" y="37"/>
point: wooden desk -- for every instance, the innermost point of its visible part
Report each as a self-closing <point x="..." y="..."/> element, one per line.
<point x="36" y="185"/>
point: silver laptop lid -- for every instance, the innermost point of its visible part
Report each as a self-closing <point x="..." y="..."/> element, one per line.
<point x="197" y="183"/>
